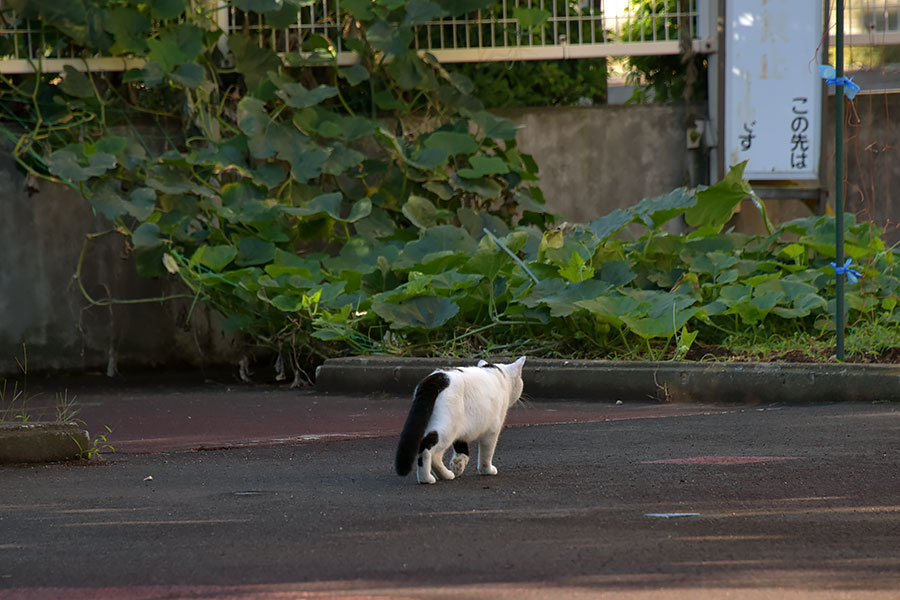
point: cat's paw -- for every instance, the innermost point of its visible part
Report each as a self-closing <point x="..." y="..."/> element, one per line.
<point x="489" y="470"/>
<point x="425" y="479"/>
<point x="458" y="464"/>
<point x="444" y="474"/>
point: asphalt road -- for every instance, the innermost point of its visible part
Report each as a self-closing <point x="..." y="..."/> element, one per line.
<point x="780" y="502"/>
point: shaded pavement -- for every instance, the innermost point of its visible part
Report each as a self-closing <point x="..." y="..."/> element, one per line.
<point x="261" y="492"/>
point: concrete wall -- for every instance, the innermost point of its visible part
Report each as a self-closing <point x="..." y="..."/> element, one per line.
<point x="41" y="306"/>
<point x="595" y="159"/>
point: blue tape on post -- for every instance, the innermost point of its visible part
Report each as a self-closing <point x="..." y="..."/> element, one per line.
<point x="852" y="274"/>
<point x="828" y="73"/>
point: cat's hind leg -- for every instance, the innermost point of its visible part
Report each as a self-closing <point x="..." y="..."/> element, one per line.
<point x="424" y="460"/>
<point x="437" y="460"/>
<point x="431" y="458"/>
<point x="460" y="457"/>
<point x="486" y="446"/>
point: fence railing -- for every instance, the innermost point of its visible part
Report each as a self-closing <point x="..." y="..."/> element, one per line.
<point x="870" y="23"/>
<point x="510" y="30"/>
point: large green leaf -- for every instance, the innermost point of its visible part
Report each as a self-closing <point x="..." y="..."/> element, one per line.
<point x="329" y="204"/>
<point x="142" y="202"/>
<point x="107" y="199"/>
<point x="341" y="159"/>
<point x="712" y="263"/>
<point x="296" y="95"/>
<point x="65" y="164"/>
<point x="424" y="312"/>
<point x="254" y="251"/>
<point x="389" y="38"/>
<point x="420" y="212"/>
<point x="253" y="119"/>
<point x="419" y="12"/>
<point x="190" y="75"/>
<point x="251" y="60"/>
<point x="756" y="309"/>
<point x="306" y="158"/>
<point x="167" y="9"/>
<point x="214" y="258"/>
<point x="354" y="74"/>
<point x="79" y="20"/>
<point x="716" y="204"/>
<point x="453" y="142"/>
<point x="489" y="260"/>
<point x="484" y="165"/>
<point x="75" y="83"/>
<point x="564" y="298"/>
<point x="146" y="237"/>
<point x="436" y="241"/>
<point x="258" y="5"/>
<point x="491" y="125"/>
<point x="360" y="9"/>
<point x="609" y="308"/>
<point x="530" y="17"/>
<point x="610" y="224"/>
<point x="655" y="212"/>
<point x="663" y="326"/>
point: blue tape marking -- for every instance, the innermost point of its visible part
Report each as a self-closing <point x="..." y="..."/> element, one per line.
<point x="828" y="73"/>
<point x="852" y="274"/>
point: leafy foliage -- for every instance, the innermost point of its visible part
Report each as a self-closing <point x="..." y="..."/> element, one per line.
<point x="537" y="83"/>
<point x="379" y="208"/>
<point x="664" y="78"/>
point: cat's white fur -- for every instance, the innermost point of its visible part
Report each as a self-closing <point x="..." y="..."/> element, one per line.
<point x="472" y="408"/>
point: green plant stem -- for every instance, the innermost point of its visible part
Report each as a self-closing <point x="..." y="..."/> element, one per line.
<point x="112" y="301"/>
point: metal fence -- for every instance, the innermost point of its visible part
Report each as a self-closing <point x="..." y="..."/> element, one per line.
<point x="871" y="22"/>
<point x="510" y="30"/>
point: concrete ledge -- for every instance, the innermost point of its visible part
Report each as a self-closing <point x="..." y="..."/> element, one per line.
<point x="41" y="442"/>
<point x="713" y="382"/>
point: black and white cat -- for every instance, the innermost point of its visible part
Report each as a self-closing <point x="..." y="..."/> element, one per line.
<point x="452" y="407"/>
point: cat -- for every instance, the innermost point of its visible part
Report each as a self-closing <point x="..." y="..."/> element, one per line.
<point x="452" y="407"/>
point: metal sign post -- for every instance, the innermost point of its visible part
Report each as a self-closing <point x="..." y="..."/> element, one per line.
<point x="839" y="180"/>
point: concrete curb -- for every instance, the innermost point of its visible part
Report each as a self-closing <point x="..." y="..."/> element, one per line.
<point x="710" y="382"/>
<point x="41" y="442"/>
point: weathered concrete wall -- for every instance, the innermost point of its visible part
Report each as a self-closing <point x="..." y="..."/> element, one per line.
<point x="595" y="159"/>
<point x="41" y="306"/>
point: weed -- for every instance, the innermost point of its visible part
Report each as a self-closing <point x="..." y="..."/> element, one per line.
<point x="98" y="446"/>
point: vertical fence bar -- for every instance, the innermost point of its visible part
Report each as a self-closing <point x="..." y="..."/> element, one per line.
<point x="839" y="179"/>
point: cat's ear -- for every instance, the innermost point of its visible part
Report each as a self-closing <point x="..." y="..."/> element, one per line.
<point x="516" y="367"/>
<point x="481" y="363"/>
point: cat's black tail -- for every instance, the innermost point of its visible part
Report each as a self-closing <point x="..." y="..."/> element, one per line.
<point x="414" y="429"/>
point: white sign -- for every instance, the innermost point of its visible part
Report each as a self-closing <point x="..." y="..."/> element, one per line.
<point x="773" y="91"/>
